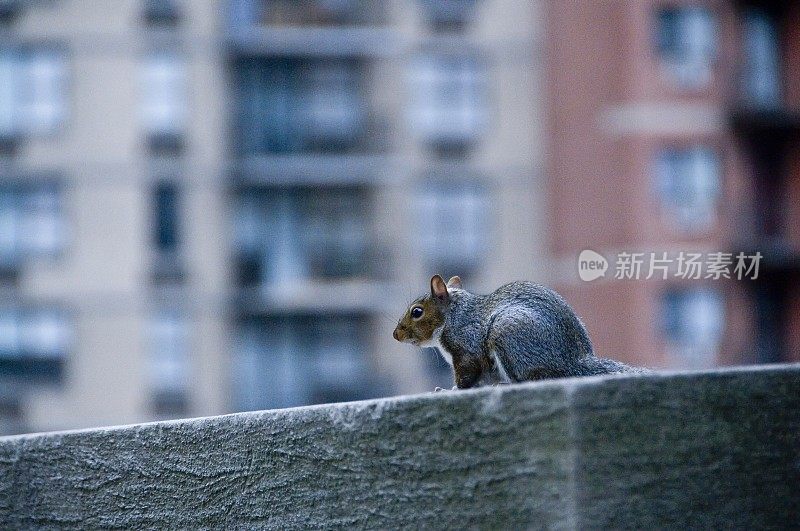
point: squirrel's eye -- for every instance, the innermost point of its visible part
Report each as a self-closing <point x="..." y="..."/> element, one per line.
<point x="416" y="312"/>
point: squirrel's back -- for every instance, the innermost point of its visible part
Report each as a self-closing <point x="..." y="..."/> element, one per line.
<point x="547" y="308"/>
<point x="553" y="342"/>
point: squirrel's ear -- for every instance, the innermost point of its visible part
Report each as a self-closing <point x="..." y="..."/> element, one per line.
<point x="454" y="282"/>
<point x="438" y="288"/>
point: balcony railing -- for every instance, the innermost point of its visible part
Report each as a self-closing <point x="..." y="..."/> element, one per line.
<point x="313" y="41"/>
<point x="316" y="13"/>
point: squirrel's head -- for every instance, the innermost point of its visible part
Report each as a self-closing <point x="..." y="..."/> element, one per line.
<point x="423" y="320"/>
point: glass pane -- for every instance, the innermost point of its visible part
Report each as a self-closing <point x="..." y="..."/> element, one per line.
<point x="335" y="232"/>
<point x="10" y="93"/>
<point x="689" y="184"/>
<point x="292" y="361"/>
<point x="269" y="366"/>
<point x="44" y="100"/>
<point x="167" y="217"/>
<point x="244" y="13"/>
<point x="164" y="103"/>
<point x="693" y="326"/>
<point x="10" y="333"/>
<point x="331" y="108"/>
<point x="458" y="211"/>
<point x="10" y="220"/>
<point x="687" y="42"/>
<point x="762" y="83"/>
<point x="169" y="370"/>
<point x="449" y="105"/>
<point x="44" y="334"/>
<point x="288" y="105"/>
<point x="42" y="229"/>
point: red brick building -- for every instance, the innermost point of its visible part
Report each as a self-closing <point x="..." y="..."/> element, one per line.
<point x="673" y="126"/>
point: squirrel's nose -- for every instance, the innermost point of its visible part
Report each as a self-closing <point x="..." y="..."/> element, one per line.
<point x="396" y="335"/>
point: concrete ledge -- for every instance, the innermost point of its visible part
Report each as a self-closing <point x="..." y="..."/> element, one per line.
<point x="712" y="449"/>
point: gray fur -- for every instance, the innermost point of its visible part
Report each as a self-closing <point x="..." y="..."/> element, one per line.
<point x="533" y="331"/>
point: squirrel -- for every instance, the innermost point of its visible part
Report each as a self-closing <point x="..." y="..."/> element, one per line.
<point x="521" y="331"/>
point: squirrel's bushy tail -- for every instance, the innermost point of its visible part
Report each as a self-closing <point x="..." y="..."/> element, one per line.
<point x="592" y="365"/>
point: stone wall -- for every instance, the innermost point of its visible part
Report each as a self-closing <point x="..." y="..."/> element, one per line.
<point x="706" y="449"/>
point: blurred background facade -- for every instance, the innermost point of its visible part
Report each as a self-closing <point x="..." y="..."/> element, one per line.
<point x="219" y="206"/>
<point x="673" y="126"/>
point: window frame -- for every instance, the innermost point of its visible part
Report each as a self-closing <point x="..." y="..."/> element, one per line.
<point x="21" y="127"/>
<point x="674" y="63"/>
<point x="679" y="216"/>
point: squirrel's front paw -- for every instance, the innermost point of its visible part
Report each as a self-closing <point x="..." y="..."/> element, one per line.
<point x="439" y="389"/>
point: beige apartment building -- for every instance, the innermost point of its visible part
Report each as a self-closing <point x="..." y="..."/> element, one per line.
<point x="209" y="207"/>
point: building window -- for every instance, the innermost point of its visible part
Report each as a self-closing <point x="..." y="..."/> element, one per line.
<point x="687" y="44"/>
<point x="301" y="233"/>
<point x="449" y="14"/>
<point x="164" y="13"/>
<point x="9" y="10"/>
<point x="242" y="14"/>
<point x="693" y="324"/>
<point x="451" y="222"/>
<point x="169" y="363"/>
<point x="164" y="108"/>
<point x="33" y="92"/>
<point x="450" y="105"/>
<point x="762" y="60"/>
<point x="288" y="105"/>
<point x="688" y="182"/>
<point x="31" y="222"/>
<point x="33" y="343"/>
<point x="331" y="108"/>
<point x="167" y="231"/>
<point x="167" y="217"/>
<point x="10" y="104"/>
<point x="292" y="361"/>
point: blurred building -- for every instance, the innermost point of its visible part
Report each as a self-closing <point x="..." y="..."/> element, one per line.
<point x="673" y="126"/>
<point x="209" y="207"/>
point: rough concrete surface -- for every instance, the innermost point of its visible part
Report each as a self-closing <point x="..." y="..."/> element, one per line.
<point x="713" y="449"/>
